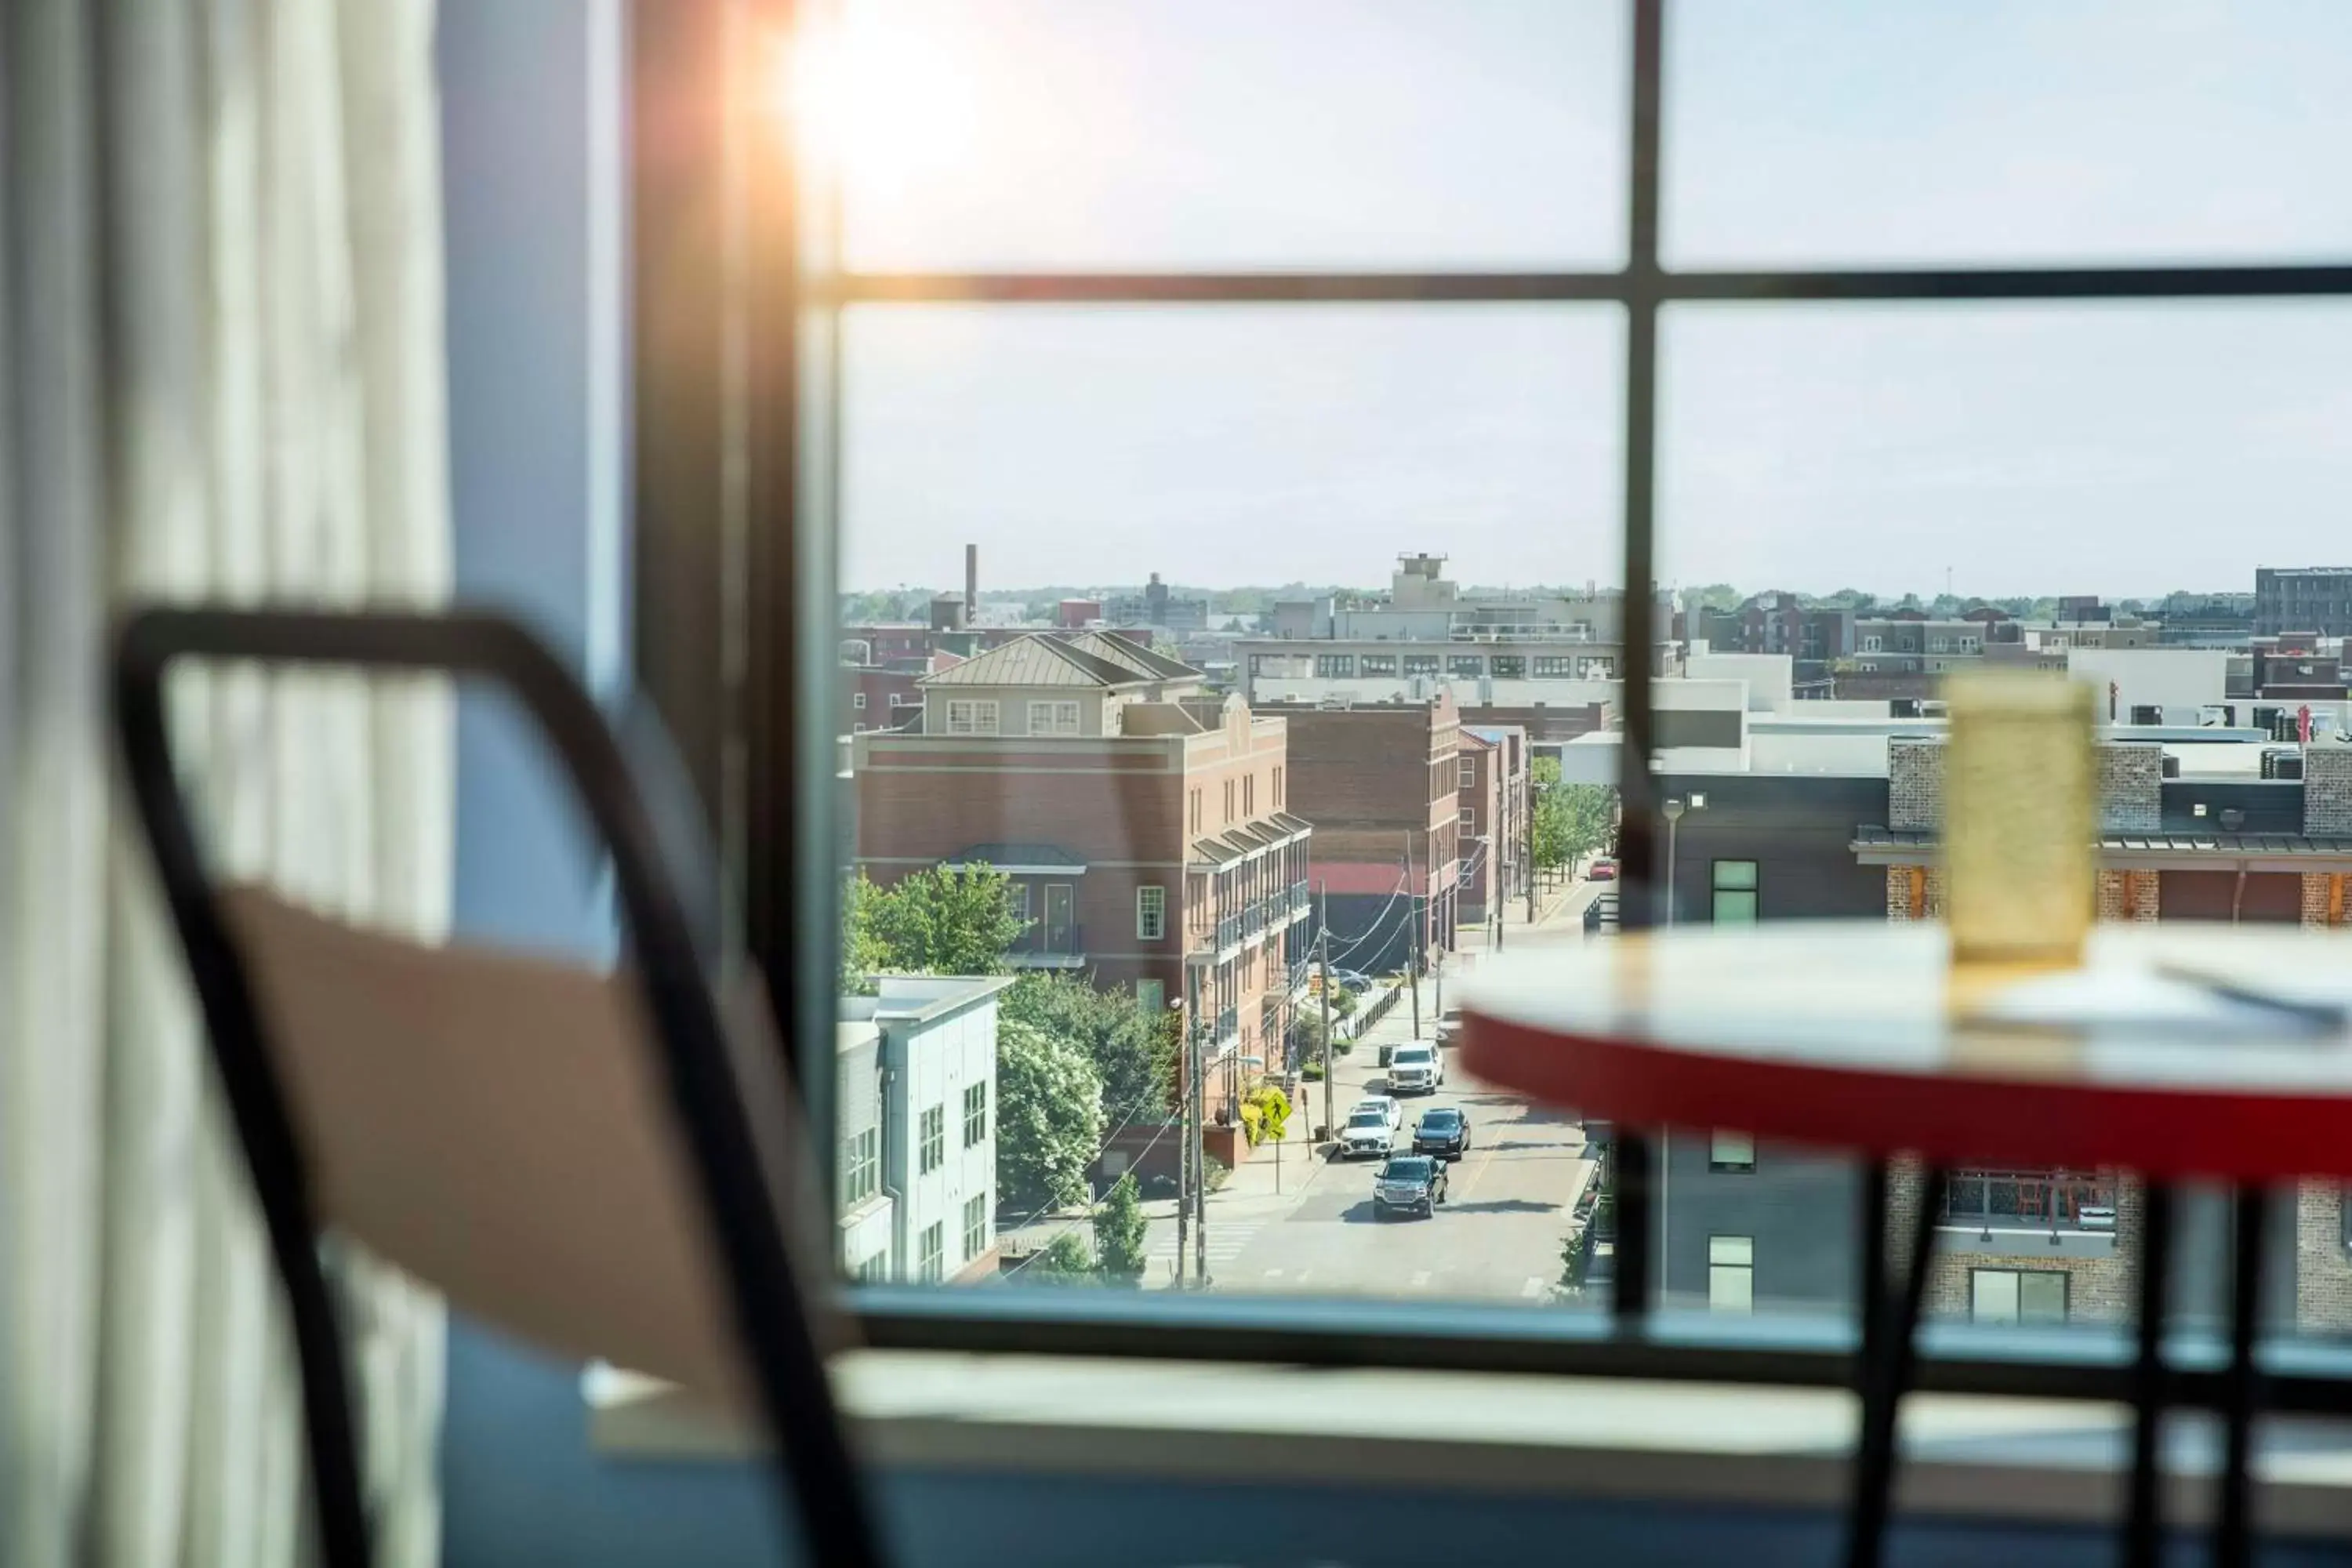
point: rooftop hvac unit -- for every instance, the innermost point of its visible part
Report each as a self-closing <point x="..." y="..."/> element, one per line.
<point x="2268" y="718"/>
<point x="2171" y="765"/>
<point x="2147" y="713"/>
<point x="2279" y="763"/>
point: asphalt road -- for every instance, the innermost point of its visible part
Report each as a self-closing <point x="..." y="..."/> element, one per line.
<point x="1496" y="1237"/>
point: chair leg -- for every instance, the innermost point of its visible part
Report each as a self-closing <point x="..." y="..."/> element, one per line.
<point x="2144" y="1515"/>
<point x="2233" y="1527"/>
<point x="1890" y="1327"/>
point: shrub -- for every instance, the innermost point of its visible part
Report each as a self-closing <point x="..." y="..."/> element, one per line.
<point x="1119" y="1228"/>
<point x="1064" y="1261"/>
<point x="1266" y="1113"/>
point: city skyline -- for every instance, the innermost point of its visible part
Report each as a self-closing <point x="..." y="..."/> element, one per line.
<point x="2129" y="449"/>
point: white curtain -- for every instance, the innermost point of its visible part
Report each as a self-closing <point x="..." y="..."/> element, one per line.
<point x="220" y="376"/>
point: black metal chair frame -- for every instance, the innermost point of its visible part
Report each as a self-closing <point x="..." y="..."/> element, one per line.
<point x="772" y="1312"/>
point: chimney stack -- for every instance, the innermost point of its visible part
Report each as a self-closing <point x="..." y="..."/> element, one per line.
<point x="972" y="585"/>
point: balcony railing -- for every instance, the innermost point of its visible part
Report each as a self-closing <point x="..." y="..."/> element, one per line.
<point x="1301" y="897"/>
<point x="2030" y="1200"/>
<point x="1229" y="1027"/>
<point x="1038" y="948"/>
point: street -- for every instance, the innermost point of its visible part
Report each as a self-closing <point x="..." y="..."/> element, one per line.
<point x="1496" y="1237"/>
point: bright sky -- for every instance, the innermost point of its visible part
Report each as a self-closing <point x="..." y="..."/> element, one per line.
<point x="2123" y="450"/>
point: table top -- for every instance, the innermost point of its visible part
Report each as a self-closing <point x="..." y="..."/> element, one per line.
<point x="2174" y="1050"/>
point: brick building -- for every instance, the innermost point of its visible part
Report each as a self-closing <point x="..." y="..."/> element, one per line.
<point x="1511" y="828"/>
<point x="1380" y="782"/>
<point x="1143" y="825"/>
<point x="2303" y="599"/>
<point x="1478" y="809"/>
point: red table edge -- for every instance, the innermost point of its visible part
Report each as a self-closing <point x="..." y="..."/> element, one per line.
<point x="1955" y="1120"/>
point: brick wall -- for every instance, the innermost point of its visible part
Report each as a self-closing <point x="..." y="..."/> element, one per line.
<point x="2327" y="789"/>
<point x="1914" y="785"/>
<point x="2098" y="1290"/>
<point x="2133" y="896"/>
<point x="2131" y="787"/>
<point x="1898" y="892"/>
<point x="2323" y="1268"/>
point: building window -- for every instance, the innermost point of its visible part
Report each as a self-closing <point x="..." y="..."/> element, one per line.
<point x="975" y="1227"/>
<point x="1335" y="666"/>
<point x="1229" y="800"/>
<point x="1469" y="664"/>
<point x="2017" y="1295"/>
<point x="1053" y="718"/>
<point x="1735" y="892"/>
<point x="1420" y="664"/>
<point x="1469" y="817"/>
<point x="1731" y="1152"/>
<point x="861" y="1166"/>
<point x="1871" y="645"/>
<point x="1150" y="914"/>
<point x="1555" y="666"/>
<point x="972" y="718"/>
<point x="858" y="701"/>
<point x="1731" y="1273"/>
<point x="1377" y="664"/>
<point x="1277" y="787"/>
<point x="1150" y="995"/>
<point x="1510" y="667"/>
<point x="874" y="1270"/>
<point x="934" y="1152"/>
<point x="975" y="1115"/>
<point x="1249" y="794"/>
<point x="1467" y="777"/>
<point x="932" y="1266"/>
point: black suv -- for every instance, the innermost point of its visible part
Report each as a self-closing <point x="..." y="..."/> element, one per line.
<point x="1444" y="1132"/>
<point x="1414" y="1183"/>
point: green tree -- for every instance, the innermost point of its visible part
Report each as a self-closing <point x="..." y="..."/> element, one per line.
<point x="1049" y="1120"/>
<point x="1120" y="1229"/>
<point x="1713" y="596"/>
<point x="1133" y="1048"/>
<point x="864" y="953"/>
<point x="939" y="921"/>
<point x="1570" y="820"/>
<point x="1063" y="1261"/>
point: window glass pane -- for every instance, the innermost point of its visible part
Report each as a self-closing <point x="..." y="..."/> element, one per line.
<point x="1185" y="134"/>
<point x="1994" y="1298"/>
<point x="1827" y="133"/>
<point x="1145" y="485"/>
<point x="1078" y="444"/>
<point x="2042" y="1298"/>
<point x="1731" y="874"/>
<point x="1731" y="1152"/>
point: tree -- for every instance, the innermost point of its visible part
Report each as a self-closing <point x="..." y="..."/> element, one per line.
<point x="1570" y="820"/>
<point x="864" y="953"/>
<point x="1120" y="1229"/>
<point x="939" y="921"/>
<point x="1063" y="1261"/>
<point x="1049" y="1120"/>
<point x="1132" y="1048"/>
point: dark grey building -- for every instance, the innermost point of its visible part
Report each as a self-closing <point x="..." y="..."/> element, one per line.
<point x="1772" y="1229"/>
<point x="2303" y="599"/>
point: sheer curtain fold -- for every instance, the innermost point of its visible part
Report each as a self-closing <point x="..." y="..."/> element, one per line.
<point x="220" y="376"/>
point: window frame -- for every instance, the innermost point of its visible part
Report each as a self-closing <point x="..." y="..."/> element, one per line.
<point x="975" y="1223"/>
<point x="975" y="1115"/>
<point x="974" y="709"/>
<point x="1731" y="1154"/>
<point x="1738" y="1263"/>
<point x="1052" y="707"/>
<point x="931" y="1139"/>
<point x="786" y="388"/>
<point x="1719" y="890"/>
<point x="1151" y="912"/>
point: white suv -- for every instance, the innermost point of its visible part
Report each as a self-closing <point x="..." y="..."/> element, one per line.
<point x="1371" y="1128"/>
<point x="1417" y="1066"/>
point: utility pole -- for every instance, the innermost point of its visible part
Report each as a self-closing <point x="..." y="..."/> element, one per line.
<point x="1200" y="1174"/>
<point x="1323" y="955"/>
<point x="1185" y="1155"/>
<point x="1413" y="942"/>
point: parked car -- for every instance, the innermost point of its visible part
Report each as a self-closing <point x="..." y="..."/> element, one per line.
<point x="1443" y="1131"/>
<point x="1355" y="980"/>
<point x="1604" y="869"/>
<point x="1417" y="1066"/>
<point x="1371" y="1127"/>
<point x="1449" y="1027"/>
<point x="1410" y="1183"/>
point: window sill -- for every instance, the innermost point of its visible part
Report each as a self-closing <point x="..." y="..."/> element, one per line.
<point x="1964" y="1456"/>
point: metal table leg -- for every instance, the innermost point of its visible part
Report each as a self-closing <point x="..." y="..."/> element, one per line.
<point x="2233" y="1528"/>
<point x="1890" y="1323"/>
<point x="2144" y="1515"/>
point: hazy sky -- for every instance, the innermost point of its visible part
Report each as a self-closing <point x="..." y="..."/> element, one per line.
<point x="2047" y="449"/>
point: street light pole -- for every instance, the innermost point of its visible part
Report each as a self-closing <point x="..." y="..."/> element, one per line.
<point x="1674" y="810"/>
